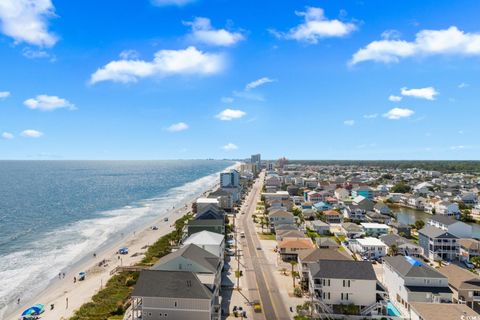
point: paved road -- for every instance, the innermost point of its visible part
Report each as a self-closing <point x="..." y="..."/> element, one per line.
<point x="273" y="306"/>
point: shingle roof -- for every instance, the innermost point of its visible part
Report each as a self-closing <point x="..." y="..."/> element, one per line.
<point x="343" y="269"/>
<point x="170" y="284"/>
<point x="405" y="268"/>
<point x="434" y="232"/>
<point x="460" y="278"/>
<point x="205" y="237"/>
<point x="317" y="254"/>
<point x="304" y="243"/>
<point x="443" y="219"/>
<point x="194" y="253"/>
<point x="444" y="311"/>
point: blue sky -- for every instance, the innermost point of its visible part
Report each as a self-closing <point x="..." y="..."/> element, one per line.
<point x="168" y="79"/>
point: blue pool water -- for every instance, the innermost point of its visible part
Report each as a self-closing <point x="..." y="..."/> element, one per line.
<point x="392" y="311"/>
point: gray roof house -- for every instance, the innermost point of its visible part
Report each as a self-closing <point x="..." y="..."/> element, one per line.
<point x="161" y="294"/>
<point x="410" y="280"/>
<point x="404" y="246"/>
<point x="438" y="244"/>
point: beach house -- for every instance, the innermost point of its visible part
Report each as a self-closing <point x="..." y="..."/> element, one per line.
<point x="409" y="280"/>
<point x="464" y="284"/>
<point x="438" y="244"/>
<point x="160" y="294"/>
<point x="343" y="282"/>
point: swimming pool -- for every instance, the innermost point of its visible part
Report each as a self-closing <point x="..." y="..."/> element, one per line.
<point x="392" y="311"/>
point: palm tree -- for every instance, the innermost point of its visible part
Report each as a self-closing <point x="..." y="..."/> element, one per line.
<point x="293" y="263"/>
<point x="393" y="250"/>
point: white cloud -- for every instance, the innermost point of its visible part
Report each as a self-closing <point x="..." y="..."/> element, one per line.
<point x="349" y="122"/>
<point x="176" y="127"/>
<point x="203" y="32"/>
<point x="179" y="3"/>
<point x="7" y="136"/>
<point x="45" y="102"/>
<point x="230" y="114"/>
<point x="27" y="21"/>
<point x="391" y="34"/>
<point x="258" y="83"/>
<point x="165" y="63"/>
<point x="398" y="113"/>
<point x="316" y="26"/>
<point x="4" y="94"/>
<point x="37" y="54"/>
<point x="427" y="93"/>
<point x="460" y="147"/>
<point x="451" y="41"/>
<point x="227" y="99"/>
<point x="30" y="133"/>
<point x="129" y="54"/>
<point x="371" y="116"/>
<point x="394" y="98"/>
<point x="230" y="146"/>
<point x="463" y="85"/>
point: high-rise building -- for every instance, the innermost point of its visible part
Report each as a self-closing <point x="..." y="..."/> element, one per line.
<point x="230" y="179"/>
<point x="255" y="158"/>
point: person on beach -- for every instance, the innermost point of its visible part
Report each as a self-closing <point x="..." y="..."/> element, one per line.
<point x="18" y="301"/>
<point x="63" y="275"/>
<point x="94" y="255"/>
<point x="74" y="279"/>
<point x="66" y="305"/>
<point x="59" y="275"/>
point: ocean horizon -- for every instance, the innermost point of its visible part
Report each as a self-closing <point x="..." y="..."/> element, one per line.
<point x="53" y="213"/>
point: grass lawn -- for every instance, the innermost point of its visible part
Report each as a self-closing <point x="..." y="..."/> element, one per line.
<point x="266" y="236"/>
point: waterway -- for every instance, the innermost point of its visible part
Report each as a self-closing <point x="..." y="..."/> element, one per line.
<point x="409" y="216"/>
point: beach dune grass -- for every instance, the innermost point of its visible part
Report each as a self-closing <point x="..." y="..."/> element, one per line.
<point x="111" y="302"/>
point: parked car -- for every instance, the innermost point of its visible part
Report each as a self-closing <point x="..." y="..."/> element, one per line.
<point x="468" y="264"/>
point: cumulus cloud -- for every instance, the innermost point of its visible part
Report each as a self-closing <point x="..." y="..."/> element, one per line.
<point x="4" y="94"/>
<point x="258" y="83"/>
<point x="315" y="27"/>
<point x="176" y="127"/>
<point x="203" y="32"/>
<point x="462" y="85"/>
<point x="371" y="116"/>
<point x="230" y="146"/>
<point x="398" y="113"/>
<point x="230" y="114"/>
<point x="179" y="3"/>
<point x="451" y="41"/>
<point x="394" y="98"/>
<point x="27" y="21"/>
<point x="427" y="93"/>
<point x="30" y="133"/>
<point x="7" y="136"/>
<point x="165" y="63"/>
<point x="349" y="122"/>
<point x="45" y="102"/>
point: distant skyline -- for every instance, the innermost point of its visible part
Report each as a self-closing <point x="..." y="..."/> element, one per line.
<point x="190" y="79"/>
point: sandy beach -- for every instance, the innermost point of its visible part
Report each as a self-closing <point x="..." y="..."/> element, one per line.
<point x="67" y="296"/>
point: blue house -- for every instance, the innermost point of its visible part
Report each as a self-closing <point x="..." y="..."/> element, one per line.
<point x="322" y="206"/>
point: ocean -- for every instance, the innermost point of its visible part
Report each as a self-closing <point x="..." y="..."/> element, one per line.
<point x="54" y="213"/>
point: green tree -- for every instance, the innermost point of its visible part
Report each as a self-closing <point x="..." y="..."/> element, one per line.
<point x="401" y="187"/>
<point x="419" y="224"/>
<point x="476" y="261"/>
<point x="393" y="250"/>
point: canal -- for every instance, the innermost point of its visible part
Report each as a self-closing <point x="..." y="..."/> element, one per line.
<point x="409" y="216"/>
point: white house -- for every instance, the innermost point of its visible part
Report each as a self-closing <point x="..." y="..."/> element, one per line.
<point x="446" y="208"/>
<point x="370" y="248"/>
<point x="210" y="241"/>
<point x="457" y="228"/>
<point x="342" y="194"/>
<point x="334" y="282"/>
<point x="375" y="229"/>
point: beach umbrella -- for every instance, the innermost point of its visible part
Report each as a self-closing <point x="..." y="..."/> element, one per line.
<point x="34" y="310"/>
